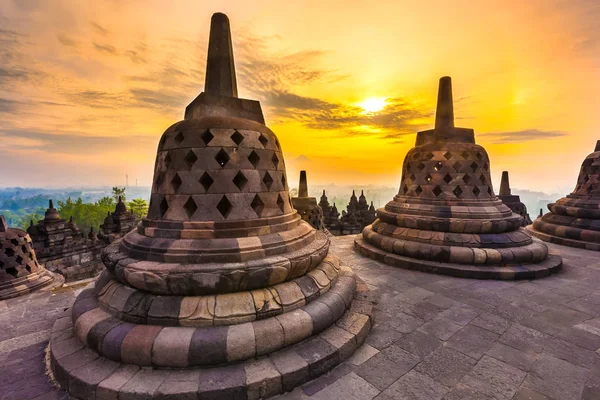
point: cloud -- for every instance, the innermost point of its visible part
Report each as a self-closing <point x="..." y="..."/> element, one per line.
<point x="65" y="40"/>
<point x="8" y="106"/>
<point x="96" y="98"/>
<point x="105" y="48"/>
<point x="521" y="136"/>
<point x="99" y="29"/>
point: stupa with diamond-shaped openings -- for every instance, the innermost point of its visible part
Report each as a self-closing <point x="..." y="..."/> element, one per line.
<point x="20" y="272"/>
<point x="221" y="275"/>
<point x="446" y="218"/>
<point x="574" y="220"/>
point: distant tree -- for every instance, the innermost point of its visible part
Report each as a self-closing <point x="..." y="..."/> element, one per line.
<point x="294" y="192"/>
<point x="117" y="191"/>
<point x="26" y="220"/>
<point x="86" y="215"/>
<point x="139" y="207"/>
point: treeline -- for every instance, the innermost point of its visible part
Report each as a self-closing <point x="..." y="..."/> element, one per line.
<point x="85" y="215"/>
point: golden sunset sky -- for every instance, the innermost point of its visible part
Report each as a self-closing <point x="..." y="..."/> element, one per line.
<point x="88" y="87"/>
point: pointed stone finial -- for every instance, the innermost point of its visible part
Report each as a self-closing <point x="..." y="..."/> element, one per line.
<point x="323" y="192"/>
<point x="50" y="204"/>
<point x="353" y="194"/>
<point x="504" y="185"/>
<point x="3" y="224"/>
<point x="444" y="115"/>
<point x="31" y="223"/>
<point x="541" y="213"/>
<point x="220" y="68"/>
<point x="120" y="199"/>
<point x="71" y="219"/>
<point x="303" y="186"/>
<point x="597" y="146"/>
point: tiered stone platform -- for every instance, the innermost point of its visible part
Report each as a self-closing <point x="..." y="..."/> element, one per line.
<point x="222" y="282"/>
<point x="575" y="220"/>
<point x="20" y="272"/>
<point x="446" y="218"/>
<point x="435" y="337"/>
<point x="307" y="206"/>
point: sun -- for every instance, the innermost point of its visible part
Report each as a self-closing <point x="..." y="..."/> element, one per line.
<point x="373" y="104"/>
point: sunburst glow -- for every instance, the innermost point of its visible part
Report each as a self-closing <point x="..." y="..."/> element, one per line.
<point x="373" y="104"/>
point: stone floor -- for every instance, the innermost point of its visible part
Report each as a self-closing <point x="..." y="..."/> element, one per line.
<point x="435" y="337"/>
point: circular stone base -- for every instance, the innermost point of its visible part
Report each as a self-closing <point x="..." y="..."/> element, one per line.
<point x="46" y="281"/>
<point x="550" y="265"/>
<point x="562" y="241"/>
<point x="85" y="374"/>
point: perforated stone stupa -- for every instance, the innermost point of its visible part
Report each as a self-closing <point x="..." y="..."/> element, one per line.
<point x="307" y="206"/>
<point x="574" y="220"/>
<point x="446" y="218"/>
<point x="513" y="201"/>
<point x="61" y="247"/>
<point x="20" y="272"/>
<point x="222" y="289"/>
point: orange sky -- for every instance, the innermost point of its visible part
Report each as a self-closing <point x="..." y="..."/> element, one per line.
<point x="87" y="88"/>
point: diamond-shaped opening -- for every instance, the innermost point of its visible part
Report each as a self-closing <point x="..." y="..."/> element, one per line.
<point x="159" y="179"/>
<point x="438" y="166"/>
<point x="447" y="178"/>
<point x="486" y="166"/>
<point x="275" y="160"/>
<point x="429" y="156"/>
<point x="412" y="177"/>
<point x="482" y="179"/>
<point x="479" y="156"/>
<point x="19" y="259"/>
<point x="437" y="191"/>
<point x="465" y="154"/>
<point x="474" y="166"/>
<point x="420" y="166"/>
<point x="28" y="268"/>
<point x="280" y="202"/>
<point x="240" y="180"/>
<point x="168" y="160"/>
<point x="589" y="189"/>
<point x="190" y="158"/>
<point x="466" y="179"/>
<point x="24" y="249"/>
<point x="405" y="189"/>
<point x="12" y="271"/>
<point x="207" y="137"/>
<point x="190" y="207"/>
<point x="428" y="178"/>
<point x="206" y="181"/>
<point x="263" y="140"/>
<point x="222" y="157"/>
<point x="164" y="206"/>
<point x="456" y="166"/>
<point x="476" y="191"/>
<point x="176" y="182"/>
<point x="179" y="138"/>
<point x="283" y="180"/>
<point x="9" y="252"/>
<point x="237" y="137"/>
<point x="224" y="206"/>
<point x="257" y="205"/>
<point x="586" y="178"/>
<point x="457" y="191"/>
<point x="254" y="158"/>
<point x="268" y="180"/>
<point x="1" y="265"/>
<point x="448" y="155"/>
<point x="14" y="242"/>
<point x="490" y="192"/>
<point x="418" y="190"/>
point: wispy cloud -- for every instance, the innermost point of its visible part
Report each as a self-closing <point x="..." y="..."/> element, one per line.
<point x="105" y="48"/>
<point x="100" y="29"/>
<point x="521" y="136"/>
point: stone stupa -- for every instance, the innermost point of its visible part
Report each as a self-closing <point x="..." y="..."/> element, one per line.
<point x="307" y="206"/>
<point x="20" y="272"/>
<point x="446" y="218"/>
<point x="513" y="201"/>
<point x="223" y="290"/>
<point x="574" y="220"/>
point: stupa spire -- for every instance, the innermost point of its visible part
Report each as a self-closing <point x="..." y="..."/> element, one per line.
<point x="597" y="146"/>
<point x="303" y="186"/>
<point x="220" y="68"/>
<point x="444" y="115"/>
<point x="504" y="185"/>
